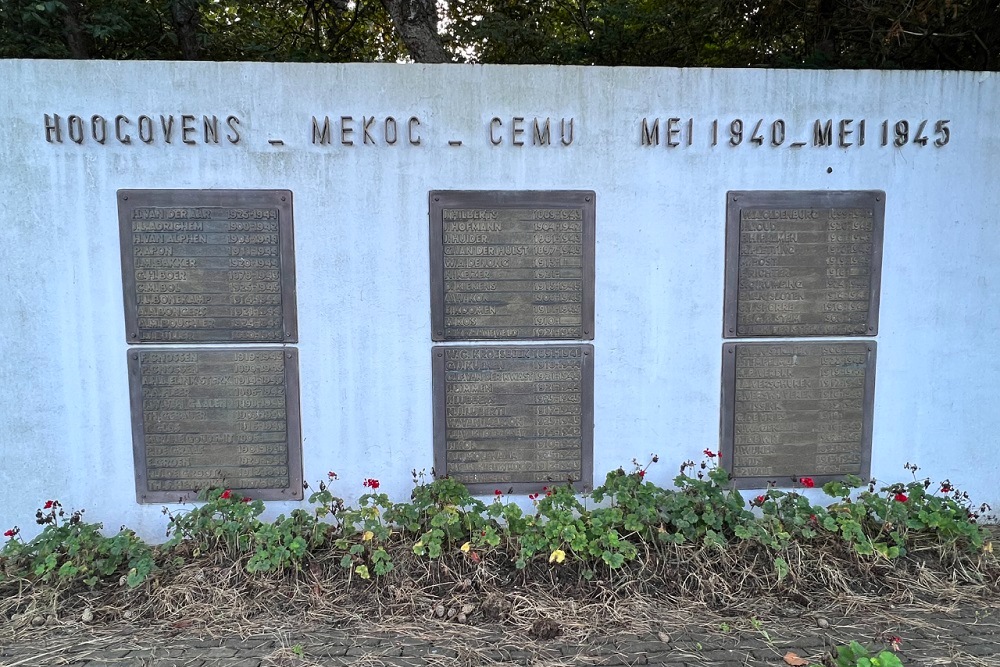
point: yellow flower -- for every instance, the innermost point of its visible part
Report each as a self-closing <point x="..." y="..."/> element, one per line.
<point x="558" y="556"/>
<point x="466" y="547"/>
<point x="368" y="535"/>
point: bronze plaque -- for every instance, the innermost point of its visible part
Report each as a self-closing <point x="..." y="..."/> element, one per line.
<point x="215" y="418"/>
<point x="512" y="265"/>
<point x="803" y="263"/>
<point x="208" y="266"/>
<point x="514" y="417"/>
<point x="797" y="409"/>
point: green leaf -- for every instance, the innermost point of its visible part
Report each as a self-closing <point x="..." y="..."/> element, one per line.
<point x="781" y="568"/>
<point x="889" y="659"/>
<point x="613" y="559"/>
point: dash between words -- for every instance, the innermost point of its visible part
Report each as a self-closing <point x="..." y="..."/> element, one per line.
<point x="516" y="131"/>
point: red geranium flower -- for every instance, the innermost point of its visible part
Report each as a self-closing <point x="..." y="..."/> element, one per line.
<point x="709" y="453"/>
<point x="760" y="500"/>
<point x="945" y="488"/>
<point x="49" y="504"/>
<point x="900" y="498"/>
<point x="331" y="475"/>
<point x="225" y="494"/>
<point x="10" y="533"/>
<point x="372" y="483"/>
<point x="642" y="473"/>
<point x="245" y="499"/>
<point x="497" y="492"/>
<point x="808" y="482"/>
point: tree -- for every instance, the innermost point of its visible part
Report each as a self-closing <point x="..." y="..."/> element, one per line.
<point x="888" y="34"/>
<point x="416" y="21"/>
<point x="891" y="34"/>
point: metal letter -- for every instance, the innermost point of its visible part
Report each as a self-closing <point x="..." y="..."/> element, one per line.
<point x="211" y="129"/>
<point x="517" y="131"/>
<point x="345" y="131"/>
<point x="119" y="121"/>
<point x="75" y="126"/>
<point x="233" y="122"/>
<point x="167" y="123"/>
<point x="186" y="129"/>
<point x="390" y="124"/>
<point x="650" y="135"/>
<point x="541" y="137"/>
<point x="562" y="132"/>
<point x="414" y="122"/>
<point x="673" y="131"/>
<point x="53" y="127"/>
<point x="366" y="125"/>
<point x="146" y="129"/>
<point x="845" y="131"/>
<point x="99" y="122"/>
<point x="321" y="136"/>
<point x="823" y="134"/>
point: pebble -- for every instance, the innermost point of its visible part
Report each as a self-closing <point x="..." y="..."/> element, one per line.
<point x="823" y="623"/>
<point x="38" y="621"/>
<point x="664" y="637"/>
<point x="87" y="616"/>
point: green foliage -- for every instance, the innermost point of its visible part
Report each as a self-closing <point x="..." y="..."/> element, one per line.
<point x="273" y="30"/>
<point x="896" y="34"/>
<point x="632" y="517"/>
<point x="704" y="507"/>
<point x="885" y="522"/>
<point x="856" y="655"/>
<point x="443" y="513"/>
<point x="70" y="550"/>
<point x="223" y="523"/>
<point x="286" y="543"/>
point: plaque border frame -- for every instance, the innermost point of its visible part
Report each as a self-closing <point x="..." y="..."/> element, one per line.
<point x="727" y="421"/>
<point x="586" y="483"/>
<point x="736" y="200"/>
<point x="293" y="428"/>
<point x="182" y="198"/>
<point x="438" y="200"/>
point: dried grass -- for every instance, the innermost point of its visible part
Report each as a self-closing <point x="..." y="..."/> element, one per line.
<point x="219" y="598"/>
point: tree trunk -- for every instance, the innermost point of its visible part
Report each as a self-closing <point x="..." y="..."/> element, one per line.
<point x="416" y="23"/>
<point x="827" y="33"/>
<point x="186" y="23"/>
<point x="76" y="39"/>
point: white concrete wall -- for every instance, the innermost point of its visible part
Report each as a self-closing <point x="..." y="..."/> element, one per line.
<point x="362" y="256"/>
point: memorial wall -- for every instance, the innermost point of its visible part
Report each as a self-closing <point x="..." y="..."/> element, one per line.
<point x="249" y="275"/>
